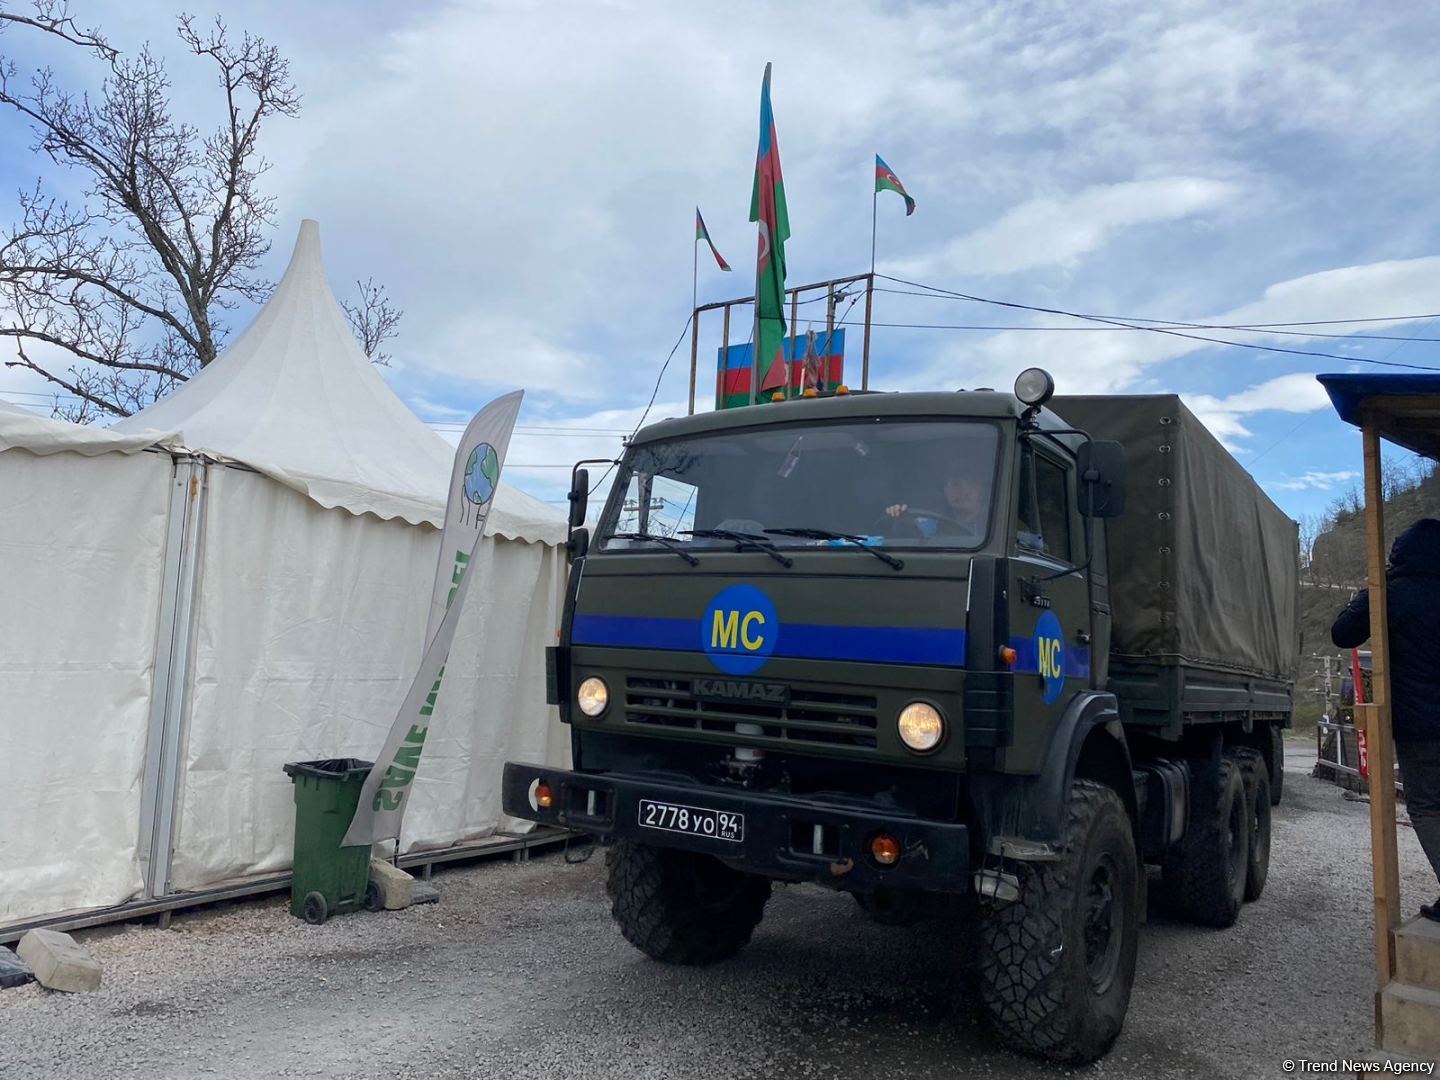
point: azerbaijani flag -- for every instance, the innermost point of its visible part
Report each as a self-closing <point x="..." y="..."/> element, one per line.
<point x="886" y="180"/>
<point x="767" y="206"/>
<point x="702" y="233"/>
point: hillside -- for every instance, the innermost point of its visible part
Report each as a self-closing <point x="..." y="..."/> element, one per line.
<point x="1336" y="564"/>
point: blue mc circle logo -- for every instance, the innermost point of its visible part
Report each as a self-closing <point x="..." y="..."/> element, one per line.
<point x="1050" y="655"/>
<point x="739" y="629"/>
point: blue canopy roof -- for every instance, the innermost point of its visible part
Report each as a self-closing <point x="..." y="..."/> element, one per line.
<point x="1404" y="408"/>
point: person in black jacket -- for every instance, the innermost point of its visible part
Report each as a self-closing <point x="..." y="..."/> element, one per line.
<point x="1413" y="596"/>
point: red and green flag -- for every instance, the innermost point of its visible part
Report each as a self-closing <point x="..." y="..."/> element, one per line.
<point x="886" y="180"/>
<point x="702" y="233"/>
<point x="767" y="206"/>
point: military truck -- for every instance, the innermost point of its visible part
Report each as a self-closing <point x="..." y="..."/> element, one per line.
<point x="985" y="652"/>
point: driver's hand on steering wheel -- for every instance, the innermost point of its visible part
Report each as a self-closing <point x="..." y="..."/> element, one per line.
<point x="896" y="510"/>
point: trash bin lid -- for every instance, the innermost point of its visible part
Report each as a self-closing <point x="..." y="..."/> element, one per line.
<point x="334" y="768"/>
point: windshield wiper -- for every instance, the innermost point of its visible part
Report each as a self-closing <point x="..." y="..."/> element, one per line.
<point x="670" y="545"/>
<point x="858" y="541"/>
<point x="743" y="540"/>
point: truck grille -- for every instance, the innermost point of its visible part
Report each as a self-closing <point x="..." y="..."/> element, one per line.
<point x="813" y="716"/>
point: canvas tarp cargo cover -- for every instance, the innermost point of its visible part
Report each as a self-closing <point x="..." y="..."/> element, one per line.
<point x="1204" y="568"/>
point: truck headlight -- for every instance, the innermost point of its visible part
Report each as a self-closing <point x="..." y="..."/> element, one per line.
<point x="921" y="726"/>
<point x="593" y="696"/>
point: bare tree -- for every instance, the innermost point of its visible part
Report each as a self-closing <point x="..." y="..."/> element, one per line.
<point x="118" y="295"/>
<point x="1310" y="528"/>
<point x="373" y="320"/>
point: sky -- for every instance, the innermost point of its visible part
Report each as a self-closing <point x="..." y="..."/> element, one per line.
<point x="522" y="177"/>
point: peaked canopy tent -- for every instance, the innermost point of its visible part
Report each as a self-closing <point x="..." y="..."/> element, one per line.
<point x="298" y="536"/>
<point x="1404" y="409"/>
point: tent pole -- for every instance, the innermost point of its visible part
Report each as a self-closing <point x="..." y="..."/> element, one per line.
<point x="1378" y="735"/>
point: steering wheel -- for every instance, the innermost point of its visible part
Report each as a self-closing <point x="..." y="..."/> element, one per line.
<point x="956" y="528"/>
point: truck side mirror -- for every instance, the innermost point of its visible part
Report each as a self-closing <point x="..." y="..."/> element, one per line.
<point x="579" y="497"/>
<point x="1101" y="467"/>
<point x="578" y="545"/>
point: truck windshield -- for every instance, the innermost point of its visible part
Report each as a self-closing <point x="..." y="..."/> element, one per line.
<point x="898" y="484"/>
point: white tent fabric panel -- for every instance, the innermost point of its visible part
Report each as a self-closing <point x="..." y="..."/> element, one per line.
<point x="491" y="707"/>
<point x="22" y="429"/>
<point x="307" y="634"/>
<point x="82" y="544"/>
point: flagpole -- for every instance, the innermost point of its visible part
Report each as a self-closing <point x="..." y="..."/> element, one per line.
<point x="755" y="333"/>
<point x="694" y="316"/>
<point x="874" y="198"/>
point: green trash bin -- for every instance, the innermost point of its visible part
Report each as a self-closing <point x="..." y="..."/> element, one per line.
<point x="328" y="879"/>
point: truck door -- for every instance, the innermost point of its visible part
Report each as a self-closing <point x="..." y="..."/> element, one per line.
<point x="1049" y="606"/>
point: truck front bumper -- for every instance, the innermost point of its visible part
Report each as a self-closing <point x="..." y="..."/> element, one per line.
<point x="784" y="837"/>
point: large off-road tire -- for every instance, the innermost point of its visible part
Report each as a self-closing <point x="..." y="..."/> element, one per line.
<point x="1056" y="966"/>
<point x="682" y="908"/>
<point x="1206" y="871"/>
<point x="1257" y="795"/>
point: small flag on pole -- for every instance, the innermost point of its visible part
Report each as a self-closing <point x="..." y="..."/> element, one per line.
<point x="886" y="180"/>
<point x="702" y="233"/>
<point x="767" y="206"/>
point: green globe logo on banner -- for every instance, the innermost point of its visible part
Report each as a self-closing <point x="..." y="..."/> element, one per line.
<point x="482" y="472"/>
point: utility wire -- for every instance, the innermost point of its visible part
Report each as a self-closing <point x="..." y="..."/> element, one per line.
<point x="1160" y="329"/>
<point x="946" y="295"/>
<point x="1113" y="329"/>
<point x="651" y="403"/>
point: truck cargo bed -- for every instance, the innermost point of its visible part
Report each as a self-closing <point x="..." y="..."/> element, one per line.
<point x="1204" y="568"/>
<point x="1163" y="697"/>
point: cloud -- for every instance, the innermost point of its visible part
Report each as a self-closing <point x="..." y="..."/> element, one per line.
<point x="1315" y="481"/>
<point x="1110" y="361"/>
<point x="1287" y="393"/>
<point x="1060" y="230"/>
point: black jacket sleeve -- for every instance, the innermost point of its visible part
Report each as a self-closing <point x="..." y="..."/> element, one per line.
<point x="1352" y="627"/>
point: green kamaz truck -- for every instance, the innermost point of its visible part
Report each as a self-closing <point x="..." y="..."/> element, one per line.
<point x="986" y="652"/>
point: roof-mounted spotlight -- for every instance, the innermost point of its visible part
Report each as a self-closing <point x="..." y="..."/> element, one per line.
<point x="1034" y="387"/>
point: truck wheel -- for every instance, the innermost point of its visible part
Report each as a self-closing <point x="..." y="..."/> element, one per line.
<point x="681" y="908"/>
<point x="1056" y="966"/>
<point x="1277" y="774"/>
<point x="893" y="907"/>
<point x="1205" y="874"/>
<point x="1257" y="797"/>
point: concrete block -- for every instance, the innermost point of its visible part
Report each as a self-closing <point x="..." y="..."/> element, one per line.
<point x="1417" y="953"/>
<point x="397" y="888"/>
<point x="59" y="962"/>
<point x="424" y="893"/>
<point x="1410" y="1019"/>
<point x="13" y="971"/>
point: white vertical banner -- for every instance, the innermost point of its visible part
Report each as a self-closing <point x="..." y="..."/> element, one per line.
<point x="478" y="461"/>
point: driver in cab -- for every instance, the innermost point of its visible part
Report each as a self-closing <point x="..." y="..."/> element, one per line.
<point x="961" y="510"/>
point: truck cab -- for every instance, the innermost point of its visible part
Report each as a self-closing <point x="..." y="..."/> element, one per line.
<point x="863" y="640"/>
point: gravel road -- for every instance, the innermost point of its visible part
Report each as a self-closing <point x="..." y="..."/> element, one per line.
<point x="518" y="972"/>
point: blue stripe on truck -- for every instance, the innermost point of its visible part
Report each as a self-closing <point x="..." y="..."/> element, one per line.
<point x="940" y="646"/>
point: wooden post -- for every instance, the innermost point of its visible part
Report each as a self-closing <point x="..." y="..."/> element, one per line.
<point x="694" y="354"/>
<point x="1378" y="734"/>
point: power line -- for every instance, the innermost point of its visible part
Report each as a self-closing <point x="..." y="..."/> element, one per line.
<point x="1113" y="329"/>
<point x="651" y="403"/>
<point x="1161" y="329"/>
<point x="946" y="295"/>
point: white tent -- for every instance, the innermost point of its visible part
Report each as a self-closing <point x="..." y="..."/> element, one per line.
<point x="298" y="545"/>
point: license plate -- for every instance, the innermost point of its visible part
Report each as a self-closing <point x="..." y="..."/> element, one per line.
<point x="692" y="820"/>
